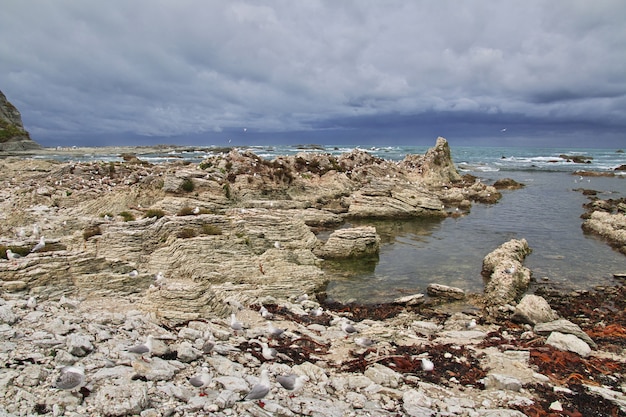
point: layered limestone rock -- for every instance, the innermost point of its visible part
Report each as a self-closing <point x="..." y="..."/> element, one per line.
<point x="609" y="226"/>
<point x="235" y="226"/>
<point x="507" y="279"/>
<point x="13" y="136"/>
<point x="354" y="242"/>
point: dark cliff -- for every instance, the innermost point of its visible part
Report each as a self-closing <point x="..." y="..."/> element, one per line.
<point x="13" y="136"/>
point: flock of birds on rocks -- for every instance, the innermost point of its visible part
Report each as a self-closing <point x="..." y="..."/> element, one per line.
<point x="72" y="378"/>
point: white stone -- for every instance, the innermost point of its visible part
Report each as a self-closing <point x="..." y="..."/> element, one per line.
<point x="569" y="342"/>
<point x="121" y="400"/>
<point x="417" y="404"/>
<point x="380" y="374"/>
<point x="502" y="382"/>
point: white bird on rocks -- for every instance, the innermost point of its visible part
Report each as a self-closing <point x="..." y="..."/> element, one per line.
<point x="235" y="324"/>
<point x="159" y="279"/>
<point x="365" y="342"/>
<point x="260" y="390"/>
<point x="133" y="273"/>
<point x="348" y="328"/>
<point x="11" y="256"/>
<point x="317" y="312"/>
<point x="510" y="270"/>
<point x="143" y="348"/>
<point x="196" y="210"/>
<point x="32" y="302"/>
<point x="268" y="353"/>
<point x="201" y="380"/>
<point x="274" y="331"/>
<point x="39" y="246"/>
<point x="292" y="382"/>
<point x="427" y="365"/>
<point x="71" y="377"/>
<point x="265" y="313"/>
<point x="471" y="324"/>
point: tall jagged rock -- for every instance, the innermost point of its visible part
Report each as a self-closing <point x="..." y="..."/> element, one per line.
<point x="13" y="136"/>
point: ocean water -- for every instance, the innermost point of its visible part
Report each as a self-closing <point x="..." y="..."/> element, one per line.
<point x="415" y="253"/>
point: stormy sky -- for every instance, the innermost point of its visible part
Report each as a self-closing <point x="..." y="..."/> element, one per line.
<point x="363" y="72"/>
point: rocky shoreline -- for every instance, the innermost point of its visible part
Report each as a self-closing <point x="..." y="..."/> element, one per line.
<point x="172" y="250"/>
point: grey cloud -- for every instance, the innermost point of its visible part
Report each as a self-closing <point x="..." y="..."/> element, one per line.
<point x="163" y="68"/>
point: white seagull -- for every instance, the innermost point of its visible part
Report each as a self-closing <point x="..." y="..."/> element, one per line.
<point x="11" y="256"/>
<point x="201" y="380"/>
<point x="348" y="328"/>
<point x="274" y="331"/>
<point x="71" y="377"/>
<point x="292" y="382"/>
<point x="317" y="312"/>
<point x="143" y="348"/>
<point x="39" y="246"/>
<point x="133" y="273"/>
<point x="365" y="342"/>
<point x="260" y="390"/>
<point x="268" y="353"/>
<point x="265" y="313"/>
<point x="159" y="279"/>
<point x="427" y="365"/>
<point x="235" y="324"/>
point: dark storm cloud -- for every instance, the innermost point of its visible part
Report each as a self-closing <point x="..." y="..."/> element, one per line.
<point x="165" y="68"/>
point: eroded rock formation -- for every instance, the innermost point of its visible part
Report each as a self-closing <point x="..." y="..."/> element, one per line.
<point x="13" y="136"/>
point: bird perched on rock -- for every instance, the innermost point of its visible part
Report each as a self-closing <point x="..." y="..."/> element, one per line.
<point x="510" y="270"/>
<point x="348" y="328"/>
<point x="196" y="210"/>
<point x="316" y="312"/>
<point x="71" y="377"/>
<point x="265" y="313"/>
<point x="32" y="303"/>
<point x="133" y="273"/>
<point x="201" y="380"/>
<point x="292" y="382"/>
<point x="235" y="324"/>
<point x="260" y="390"/>
<point x="39" y="246"/>
<point x="143" y="348"/>
<point x="427" y="365"/>
<point x="159" y="279"/>
<point x="11" y="256"/>
<point x="268" y="353"/>
<point x="274" y="331"/>
<point x="365" y="342"/>
<point x="471" y="324"/>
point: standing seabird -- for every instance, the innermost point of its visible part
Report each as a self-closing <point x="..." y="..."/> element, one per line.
<point x="39" y="246"/>
<point x="292" y="382"/>
<point x="201" y="380"/>
<point x="144" y="348"/>
<point x="71" y="377"/>
<point x="260" y="390"/>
